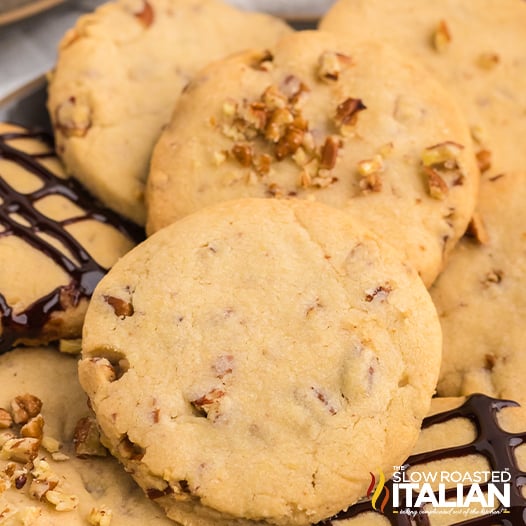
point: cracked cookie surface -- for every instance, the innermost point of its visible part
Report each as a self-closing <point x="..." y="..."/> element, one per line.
<point x="356" y="126"/>
<point x="119" y="73"/>
<point x="255" y="360"/>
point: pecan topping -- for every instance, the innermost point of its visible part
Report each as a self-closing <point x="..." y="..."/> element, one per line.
<point x="262" y="61"/>
<point x="441" y="37"/>
<point x="369" y="171"/>
<point x="330" y="65"/>
<point x="24" y="407"/>
<point x="483" y="160"/>
<point x="329" y="153"/>
<point x="34" y="428"/>
<point x="347" y="111"/>
<point x="438" y="188"/>
<point x="146" y="15"/>
<point x="21" y="449"/>
<point x="100" y="516"/>
<point x="205" y="403"/>
<point x="441" y="161"/>
<point x="243" y="153"/>
<point x="6" y="421"/>
<point x="121" y="307"/>
<point x="86" y="439"/>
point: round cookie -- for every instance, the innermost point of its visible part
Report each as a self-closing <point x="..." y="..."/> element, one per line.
<point x="473" y="440"/>
<point x="256" y="359"/>
<point x="357" y="127"/>
<point x="480" y="299"/>
<point x="43" y="480"/>
<point x="55" y="242"/>
<point x="119" y="72"/>
<point x="476" y="48"/>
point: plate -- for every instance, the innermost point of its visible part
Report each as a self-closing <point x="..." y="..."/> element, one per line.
<point x="13" y="10"/>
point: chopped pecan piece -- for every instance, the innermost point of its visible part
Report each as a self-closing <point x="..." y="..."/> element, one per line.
<point x="347" y="111"/>
<point x="6" y="420"/>
<point x="34" y="428"/>
<point x="61" y="501"/>
<point x="24" y="407"/>
<point x="244" y="154"/>
<point x="146" y="15"/>
<point x="122" y="308"/>
<point x="441" y="36"/>
<point x="438" y="188"/>
<point x="21" y="449"/>
<point x="289" y="142"/>
<point x="330" y="65"/>
<point x="445" y="153"/>
<point x="371" y="183"/>
<point x="277" y="125"/>
<point x="204" y="403"/>
<point x="483" y="160"/>
<point x="262" y="61"/>
<point x="86" y="439"/>
<point x="329" y="153"/>
<point x="100" y="516"/>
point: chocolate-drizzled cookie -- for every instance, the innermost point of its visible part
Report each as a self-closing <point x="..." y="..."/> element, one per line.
<point x="464" y="441"/>
<point x="56" y="243"/>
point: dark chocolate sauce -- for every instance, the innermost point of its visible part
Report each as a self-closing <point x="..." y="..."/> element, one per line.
<point x="83" y="270"/>
<point x="491" y="441"/>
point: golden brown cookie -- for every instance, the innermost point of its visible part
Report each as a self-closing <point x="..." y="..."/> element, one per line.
<point x="119" y="73"/>
<point x="477" y="48"/>
<point x="56" y="242"/>
<point x="356" y="126"/>
<point x="256" y="359"/>
<point x="480" y="298"/>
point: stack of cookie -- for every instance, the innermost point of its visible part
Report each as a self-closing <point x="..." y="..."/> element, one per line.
<point x="274" y="341"/>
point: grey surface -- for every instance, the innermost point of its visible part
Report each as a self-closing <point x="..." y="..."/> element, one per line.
<point x="28" y="49"/>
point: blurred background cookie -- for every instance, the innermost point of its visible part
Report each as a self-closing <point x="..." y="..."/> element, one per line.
<point x="356" y="126"/>
<point x="53" y="469"/>
<point x="118" y="75"/>
<point x="55" y="242"/>
<point x="480" y="297"/>
<point x="476" y="48"/>
<point x="256" y="344"/>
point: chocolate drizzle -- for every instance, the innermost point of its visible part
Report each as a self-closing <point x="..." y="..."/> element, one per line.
<point x="83" y="270"/>
<point x="491" y="441"/>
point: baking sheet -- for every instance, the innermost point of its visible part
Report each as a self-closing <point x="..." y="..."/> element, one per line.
<point x="12" y="10"/>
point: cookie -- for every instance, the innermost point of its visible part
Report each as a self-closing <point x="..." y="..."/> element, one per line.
<point x="120" y="71"/>
<point x="476" y="442"/>
<point x="479" y="297"/>
<point x="50" y="474"/>
<point x="357" y="127"/>
<point x="55" y="242"/>
<point x="476" y="48"/>
<point x="256" y="359"/>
